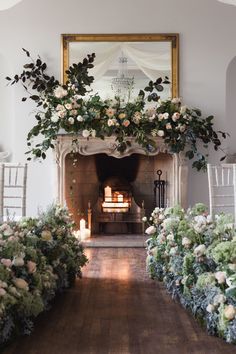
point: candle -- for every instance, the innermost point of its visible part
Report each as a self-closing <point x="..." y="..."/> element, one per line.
<point x="84" y="234"/>
<point x="82" y="224"/>
<point x="108" y="194"/>
<point x="120" y="198"/>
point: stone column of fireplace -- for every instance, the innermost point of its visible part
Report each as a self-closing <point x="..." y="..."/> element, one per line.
<point x="83" y="146"/>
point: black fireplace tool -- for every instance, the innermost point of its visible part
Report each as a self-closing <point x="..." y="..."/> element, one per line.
<point x="160" y="190"/>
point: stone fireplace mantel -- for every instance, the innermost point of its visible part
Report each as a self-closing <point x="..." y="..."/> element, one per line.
<point x="93" y="146"/>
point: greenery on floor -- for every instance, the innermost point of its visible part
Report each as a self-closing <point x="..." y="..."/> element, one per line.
<point x="195" y="257"/>
<point x="38" y="258"/>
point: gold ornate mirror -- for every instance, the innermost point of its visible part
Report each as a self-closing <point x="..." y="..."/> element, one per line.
<point x="141" y="57"/>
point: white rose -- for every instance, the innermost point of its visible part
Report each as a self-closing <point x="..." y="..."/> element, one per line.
<point x="160" y="133"/>
<point x="175" y="116"/>
<point x="183" y="109"/>
<point x="68" y="106"/>
<point x="219" y="299"/>
<point x="6" y="262"/>
<point x="111" y="122"/>
<point x="59" y="107"/>
<point x="170" y="237"/>
<point x="8" y="231"/>
<point x="61" y="114"/>
<point x="153" y="251"/>
<point x="59" y="92"/>
<point x="168" y="126"/>
<point x="71" y="120"/>
<point x="18" y="261"/>
<point x="144" y="219"/>
<point x="232" y="266"/>
<point x="85" y="133"/>
<point x="210" y="308"/>
<point x="161" y="217"/>
<point x="200" y="250"/>
<point x="151" y="118"/>
<point x="166" y="115"/>
<point x="150" y="230"/>
<point x="220" y="277"/>
<point x="2" y="292"/>
<point x="80" y="119"/>
<point x="173" y="251"/>
<point x="209" y="219"/>
<point x="176" y="100"/>
<point x="31" y="266"/>
<point x="21" y="283"/>
<point x="160" y="116"/>
<point x="3" y="284"/>
<point x="182" y="128"/>
<point x="229" y="312"/>
<point x="186" y="242"/>
<point x="54" y="118"/>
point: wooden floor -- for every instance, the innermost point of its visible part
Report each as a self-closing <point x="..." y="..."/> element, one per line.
<point x="116" y="309"/>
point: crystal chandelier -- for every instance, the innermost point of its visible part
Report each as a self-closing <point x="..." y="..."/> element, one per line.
<point x="122" y="84"/>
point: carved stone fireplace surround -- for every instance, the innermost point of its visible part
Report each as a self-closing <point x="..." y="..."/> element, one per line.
<point x="179" y="173"/>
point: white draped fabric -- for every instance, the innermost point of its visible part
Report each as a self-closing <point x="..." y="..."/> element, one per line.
<point x="7" y="4"/>
<point x="230" y="2"/>
<point x="153" y="61"/>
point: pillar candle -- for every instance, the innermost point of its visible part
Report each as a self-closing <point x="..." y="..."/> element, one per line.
<point x="108" y="194"/>
<point x="84" y="234"/>
<point x="82" y="224"/>
<point x="120" y="198"/>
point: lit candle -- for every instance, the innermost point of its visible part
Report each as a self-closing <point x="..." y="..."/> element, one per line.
<point x="108" y="194"/>
<point x="84" y="234"/>
<point x="82" y="224"/>
<point x="120" y="198"/>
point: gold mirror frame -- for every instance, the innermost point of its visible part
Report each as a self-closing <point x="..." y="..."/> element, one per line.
<point x="66" y="39"/>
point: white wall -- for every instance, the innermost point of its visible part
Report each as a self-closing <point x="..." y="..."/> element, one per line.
<point x="207" y="44"/>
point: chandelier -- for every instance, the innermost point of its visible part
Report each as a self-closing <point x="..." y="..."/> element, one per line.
<point x="122" y="84"/>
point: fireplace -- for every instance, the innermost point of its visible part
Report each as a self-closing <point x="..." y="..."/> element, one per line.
<point x="85" y="175"/>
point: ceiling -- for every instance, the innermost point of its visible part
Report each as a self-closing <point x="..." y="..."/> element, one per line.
<point x="7" y="4"/>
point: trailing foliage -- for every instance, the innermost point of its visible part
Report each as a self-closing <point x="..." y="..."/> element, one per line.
<point x="65" y="107"/>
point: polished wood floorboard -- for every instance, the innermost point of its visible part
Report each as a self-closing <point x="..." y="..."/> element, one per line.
<point x="116" y="309"/>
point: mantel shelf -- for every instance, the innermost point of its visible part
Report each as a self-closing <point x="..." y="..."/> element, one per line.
<point x="92" y="146"/>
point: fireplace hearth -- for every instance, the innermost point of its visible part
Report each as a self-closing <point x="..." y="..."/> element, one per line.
<point x="83" y="178"/>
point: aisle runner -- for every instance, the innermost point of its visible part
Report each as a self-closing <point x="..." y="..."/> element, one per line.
<point x="124" y="241"/>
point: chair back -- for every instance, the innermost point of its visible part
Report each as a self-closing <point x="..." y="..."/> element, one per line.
<point x="13" y="181"/>
<point x="222" y="189"/>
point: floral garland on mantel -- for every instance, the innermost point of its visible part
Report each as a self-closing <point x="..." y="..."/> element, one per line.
<point x="64" y="107"/>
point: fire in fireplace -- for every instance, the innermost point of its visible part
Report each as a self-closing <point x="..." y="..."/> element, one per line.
<point x="116" y="208"/>
<point x="116" y="200"/>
